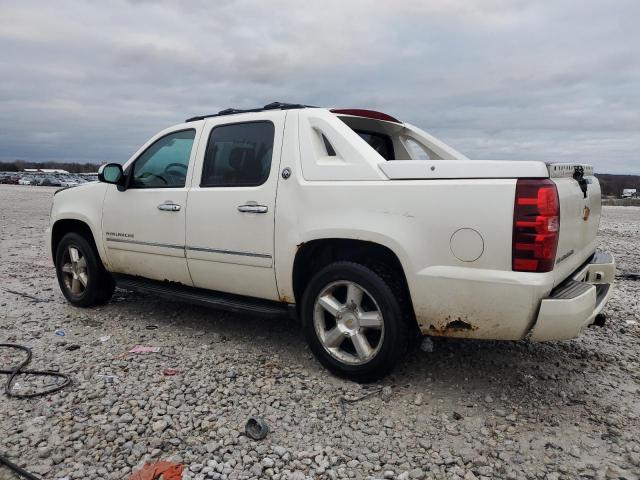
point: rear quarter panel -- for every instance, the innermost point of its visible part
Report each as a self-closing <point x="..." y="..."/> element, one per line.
<point x="416" y="219"/>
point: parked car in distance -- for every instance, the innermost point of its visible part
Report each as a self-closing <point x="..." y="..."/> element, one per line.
<point x="69" y="183"/>
<point x="366" y="228"/>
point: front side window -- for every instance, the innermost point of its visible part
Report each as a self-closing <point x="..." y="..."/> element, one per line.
<point x="238" y="155"/>
<point x="165" y="163"/>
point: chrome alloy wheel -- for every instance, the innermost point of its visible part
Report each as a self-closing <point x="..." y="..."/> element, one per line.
<point x="348" y="322"/>
<point x="74" y="271"/>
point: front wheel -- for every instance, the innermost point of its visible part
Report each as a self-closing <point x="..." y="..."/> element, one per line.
<point x="82" y="277"/>
<point x="353" y="321"/>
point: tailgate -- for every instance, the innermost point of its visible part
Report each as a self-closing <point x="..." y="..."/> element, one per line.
<point x="580" y="209"/>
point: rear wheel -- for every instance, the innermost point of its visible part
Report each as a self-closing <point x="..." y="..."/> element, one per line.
<point x="82" y="277"/>
<point x="353" y="321"/>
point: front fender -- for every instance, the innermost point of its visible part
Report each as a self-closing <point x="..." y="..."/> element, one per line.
<point x="84" y="204"/>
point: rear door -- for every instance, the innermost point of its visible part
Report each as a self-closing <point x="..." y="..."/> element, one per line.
<point x="580" y="209"/>
<point x="144" y="225"/>
<point x="230" y="214"/>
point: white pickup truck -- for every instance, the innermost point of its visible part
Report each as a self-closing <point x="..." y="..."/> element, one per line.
<point x="366" y="228"/>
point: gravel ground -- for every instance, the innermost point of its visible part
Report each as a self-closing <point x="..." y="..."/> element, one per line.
<point x="469" y="409"/>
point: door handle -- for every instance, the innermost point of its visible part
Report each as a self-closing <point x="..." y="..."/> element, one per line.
<point x="252" y="208"/>
<point x="169" y="207"/>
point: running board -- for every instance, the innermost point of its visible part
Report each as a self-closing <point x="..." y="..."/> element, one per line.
<point x="207" y="298"/>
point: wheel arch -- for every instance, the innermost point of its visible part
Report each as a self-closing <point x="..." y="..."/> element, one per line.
<point x="66" y="225"/>
<point x="315" y="254"/>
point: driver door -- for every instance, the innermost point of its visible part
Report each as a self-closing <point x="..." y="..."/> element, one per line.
<point x="144" y="225"/>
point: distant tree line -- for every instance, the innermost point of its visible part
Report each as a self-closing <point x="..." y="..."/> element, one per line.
<point x="71" y="167"/>
<point x="614" y="184"/>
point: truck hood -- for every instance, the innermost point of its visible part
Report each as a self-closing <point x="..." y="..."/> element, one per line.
<point x="74" y="186"/>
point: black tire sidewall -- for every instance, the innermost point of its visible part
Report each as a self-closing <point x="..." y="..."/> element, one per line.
<point x="395" y="331"/>
<point x="95" y="273"/>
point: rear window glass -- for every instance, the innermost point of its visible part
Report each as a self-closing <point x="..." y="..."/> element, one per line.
<point x="380" y="142"/>
<point x="238" y="155"/>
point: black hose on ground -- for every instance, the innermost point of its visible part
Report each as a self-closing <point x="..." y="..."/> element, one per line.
<point x="19" y="471"/>
<point x="18" y="370"/>
<point x="13" y="374"/>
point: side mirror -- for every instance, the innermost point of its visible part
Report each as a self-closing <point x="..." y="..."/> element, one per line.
<point x="111" y="173"/>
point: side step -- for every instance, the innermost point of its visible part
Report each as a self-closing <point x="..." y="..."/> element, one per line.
<point x="206" y="298"/>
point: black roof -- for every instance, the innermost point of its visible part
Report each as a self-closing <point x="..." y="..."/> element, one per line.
<point x="231" y="111"/>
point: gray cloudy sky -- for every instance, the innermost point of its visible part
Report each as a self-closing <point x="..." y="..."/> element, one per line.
<point x="548" y="80"/>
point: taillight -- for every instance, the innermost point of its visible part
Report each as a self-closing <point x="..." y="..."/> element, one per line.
<point x="536" y="226"/>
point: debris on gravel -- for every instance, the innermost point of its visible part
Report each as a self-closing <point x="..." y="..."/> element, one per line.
<point x="461" y="409"/>
<point x="256" y="428"/>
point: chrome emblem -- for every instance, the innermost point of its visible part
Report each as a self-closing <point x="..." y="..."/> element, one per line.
<point x="585" y="213"/>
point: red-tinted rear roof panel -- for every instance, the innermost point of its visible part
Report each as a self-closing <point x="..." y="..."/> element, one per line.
<point x="359" y="112"/>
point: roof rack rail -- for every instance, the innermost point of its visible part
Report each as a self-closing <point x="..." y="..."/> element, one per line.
<point x="231" y="111"/>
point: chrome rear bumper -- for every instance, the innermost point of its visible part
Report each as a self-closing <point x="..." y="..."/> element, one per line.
<point x="574" y="304"/>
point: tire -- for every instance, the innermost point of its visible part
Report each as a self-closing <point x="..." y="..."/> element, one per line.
<point x="83" y="280"/>
<point x="105" y="292"/>
<point x="327" y="323"/>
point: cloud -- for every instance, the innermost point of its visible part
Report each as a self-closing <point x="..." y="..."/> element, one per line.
<point x="501" y="79"/>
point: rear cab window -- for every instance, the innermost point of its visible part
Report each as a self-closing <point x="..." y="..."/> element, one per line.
<point x="390" y="138"/>
<point x="380" y="142"/>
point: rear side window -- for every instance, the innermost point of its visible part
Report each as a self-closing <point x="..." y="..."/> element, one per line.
<point x="380" y="142"/>
<point x="238" y="155"/>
